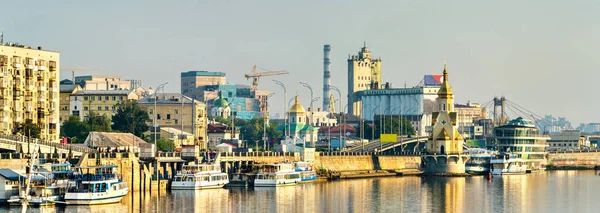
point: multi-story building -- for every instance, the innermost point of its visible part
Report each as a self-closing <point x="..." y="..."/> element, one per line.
<point x="364" y="73"/>
<point x="66" y="90"/>
<point x="29" y="89"/>
<point x="193" y="82"/>
<point x="567" y="140"/>
<point x="522" y="138"/>
<point x="101" y="102"/>
<point x="467" y="114"/>
<point x="176" y="111"/>
<point x="102" y="82"/>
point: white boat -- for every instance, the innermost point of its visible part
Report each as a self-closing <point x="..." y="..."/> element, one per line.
<point x="479" y="162"/>
<point x="508" y="165"/>
<point x="101" y="187"/>
<point x="54" y="187"/>
<point x="273" y="175"/>
<point x="201" y="176"/>
<point x="307" y="174"/>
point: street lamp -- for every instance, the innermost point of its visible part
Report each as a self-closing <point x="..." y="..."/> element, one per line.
<point x="161" y="86"/>
<point x="266" y="117"/>
<point x="285" y="117"/>
<point x="311" y="92"/>
<point x="312" y="112"/>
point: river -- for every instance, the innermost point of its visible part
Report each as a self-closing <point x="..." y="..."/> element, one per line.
<point x="552" y="191"/>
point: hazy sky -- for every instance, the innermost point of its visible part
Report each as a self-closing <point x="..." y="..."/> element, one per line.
<point x="541" y="55"/>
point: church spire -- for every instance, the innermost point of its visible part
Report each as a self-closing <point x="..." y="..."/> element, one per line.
<point x="445" y="90"/>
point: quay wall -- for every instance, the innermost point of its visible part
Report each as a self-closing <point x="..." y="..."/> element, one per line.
<point x="136" y="175"/>
<point x="574" y="159"/>
<point x="345" y="163"/>
<point x="399" y="162"/>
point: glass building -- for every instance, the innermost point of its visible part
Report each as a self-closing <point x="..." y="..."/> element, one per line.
<point x="522" y="138"/>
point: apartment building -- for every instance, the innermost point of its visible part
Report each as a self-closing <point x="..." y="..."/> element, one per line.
<point x="101" y="102"/>
<point x="66" y="90"/>
<point x="174" y="110"/>
<point x="29" y="89"/>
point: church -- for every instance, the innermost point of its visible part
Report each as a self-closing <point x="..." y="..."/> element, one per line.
<point x="301" y="133"/>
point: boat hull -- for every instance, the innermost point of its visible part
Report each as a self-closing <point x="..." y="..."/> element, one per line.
<point x="276" y="183"/>
<point x="73" y="198"/>
<point x="196" y="185"/>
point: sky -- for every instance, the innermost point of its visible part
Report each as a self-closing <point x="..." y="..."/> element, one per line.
<point x="541" y="55"/>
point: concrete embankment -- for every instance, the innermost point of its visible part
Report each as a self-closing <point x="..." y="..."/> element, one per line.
<point x="573" y="160"/>
<point x="359" y="165"/>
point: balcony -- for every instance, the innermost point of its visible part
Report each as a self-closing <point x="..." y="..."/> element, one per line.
<point x="29" y="108"/>
<point x="42" y="88"/>
<point x="42" y="68"/>
<point x="29" y="66"/>
<point x="41" y="100"/>
<point x="3" y="83"/>
<point x="30" y="87"/>
<point x="16" y="65"/>
<point x="4" y="105"/>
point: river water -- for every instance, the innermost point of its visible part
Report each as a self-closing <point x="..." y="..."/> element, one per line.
<point x="552" y="191"/>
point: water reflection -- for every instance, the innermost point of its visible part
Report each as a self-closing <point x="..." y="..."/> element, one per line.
<point x="556" y="191"/>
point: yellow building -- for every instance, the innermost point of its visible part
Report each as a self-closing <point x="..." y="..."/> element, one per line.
<point x="445" y="145"/>
<point x="173" y="112"/>
<point x="176" y="136"/>
<point x="29" y="89"/>
<point x="364" y="73"/>
<point x="66" y="90"/>
<point x="101" y="102"/>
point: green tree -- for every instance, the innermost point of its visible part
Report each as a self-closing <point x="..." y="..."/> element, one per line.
<point x="98" y="123"/>
<point x="30" y="129"/>
<point x="252" y="131"/>
<point x="164" y="145"/>
<point x="130" y="118"/>
<point x="75" y="129"/>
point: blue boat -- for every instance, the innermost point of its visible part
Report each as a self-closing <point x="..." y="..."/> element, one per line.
<point x="307" y="174"/>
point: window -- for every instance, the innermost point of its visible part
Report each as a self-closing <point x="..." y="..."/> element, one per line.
<point x="168" y="116"/>
<point x="99" y="108"/>
<point x="85" y="108"/>
<point x="121" y="98"/>
<point x="113" y="108"/>
<point x="114" y="98"/>
<point x="92" y="98"/>
<point x="75" y="107"/>
<point x="106" y="108"/>
<point x="158" y="116"/>
<point x="176" y="112"/>
<point x="85" y="98"/>
<point x="106" y="98"/>
<point x="176" y="121"/>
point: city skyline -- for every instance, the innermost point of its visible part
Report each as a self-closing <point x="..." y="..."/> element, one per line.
<point x="516" y="50"/>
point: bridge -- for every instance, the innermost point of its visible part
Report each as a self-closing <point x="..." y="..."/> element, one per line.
<point x="14" y="143"/>
<point x="402" y="144"/>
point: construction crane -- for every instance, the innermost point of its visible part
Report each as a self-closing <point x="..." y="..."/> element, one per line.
<point x="73" y="70"/>
<point x="256" y="75"/>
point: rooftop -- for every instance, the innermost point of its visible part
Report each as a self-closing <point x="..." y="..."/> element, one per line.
<point x="113" y="139"/>
<point x="67" y="87"/>
<point x="520" y="122"/>
<point x="17" y="45"/>
<point x="202" y="73"/>
<point x="167" y="98"/>
<point x="102" y="92"/>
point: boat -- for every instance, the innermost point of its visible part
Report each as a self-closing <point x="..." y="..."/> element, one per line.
<point x="506" y="164"/>
<point x="54" y="187"/>
<point x="273" y="175"/>
<point x="479" y="162"/>
<point x="100" y="187"/>
<point x="200" y="176"/>
<point x="307" y="174"/>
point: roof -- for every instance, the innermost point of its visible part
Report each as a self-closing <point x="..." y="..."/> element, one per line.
<point x="113" y="139"/>
<point x="175" y="131"/>
<point x="227" y="144"/>
<point x="520" y="122"/>
<point x="167" y="98"/>
<point x="297" y="107"/>
<point x="202" y="73"/>
<point x="220" y="102"/>
<point x="445" y="90"/>
<point x="336" y="129"/>
<point x="103" y="92"/>
<point x="67" y="87"/>
<point x="10" y="174"/>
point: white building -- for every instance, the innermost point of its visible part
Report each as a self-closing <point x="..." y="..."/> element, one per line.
<point x="220" y="107"/>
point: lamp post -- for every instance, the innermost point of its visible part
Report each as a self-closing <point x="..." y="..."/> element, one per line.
<point x="311" y="92"/>
<point x="161" y="86"/>
<point x="373" y="123"/>
<point x="312" y="112"/>
<point x="362" y="125"/>
<point x="285" y="117"/>
<point x="343" y="124"/>
<point x="266" y="118"/>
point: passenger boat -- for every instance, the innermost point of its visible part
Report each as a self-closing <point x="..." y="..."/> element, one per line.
<point x="101" y="187"/>
<point x="200" y="176"/>
<point x="506" y="164"/>
<point x="273" y="175"/>
<point x="54" y="188"/>
<point x="307" y="174"/>
<point x="479" y="162"/>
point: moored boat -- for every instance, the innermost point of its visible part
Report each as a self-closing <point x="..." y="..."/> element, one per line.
<point x="273" y="175"/>
<point x="101" y="187"/>
<point x="506" y="164"/>
<point x="479" y="162"/>
<point x="200" y="176"/>
<point x="307" y="174"/>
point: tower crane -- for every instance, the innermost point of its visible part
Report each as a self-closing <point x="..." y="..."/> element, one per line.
<point x="256" y="75"/>
<point x="74" y="69"/>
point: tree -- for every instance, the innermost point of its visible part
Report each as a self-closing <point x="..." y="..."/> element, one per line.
<point x="130" y="118"/>
<point x="98" y="123"/>
<point x="164" y="145"/>
<point x="30" y="129"/>
<point x="78" y="131"/>
<point x="252" y="131"/>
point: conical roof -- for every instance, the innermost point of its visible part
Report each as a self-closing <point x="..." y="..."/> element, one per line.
<point x="445" y="90"/>
<point x="297" y="107"/>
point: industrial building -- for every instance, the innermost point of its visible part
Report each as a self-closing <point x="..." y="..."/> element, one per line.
<point x="364" y="73"/>
<point x="29" y="89"/>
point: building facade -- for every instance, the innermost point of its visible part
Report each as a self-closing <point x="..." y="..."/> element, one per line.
<point x="522" y="138"/>
<point x="364" y="73"/>
<point x="176" y="111"/>
<point x="102" y="82"/>
<point x="193" y="82"/>
<point x="66" y="90"/>
<point x="566" y="141"/>
<point x="29" y="89"/>
<point x="445" y="151"/>
<point x="100" y="102"/>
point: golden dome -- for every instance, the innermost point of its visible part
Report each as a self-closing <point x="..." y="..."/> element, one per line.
<point x="297" y="107"/>
<point x="445" y="91"/>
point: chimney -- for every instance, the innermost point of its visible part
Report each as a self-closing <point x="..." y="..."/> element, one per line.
<point x="326" y="77"/>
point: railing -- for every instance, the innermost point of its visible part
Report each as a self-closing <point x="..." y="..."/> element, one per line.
<point x="574" y="151"/>
<point x="15" y="139"/>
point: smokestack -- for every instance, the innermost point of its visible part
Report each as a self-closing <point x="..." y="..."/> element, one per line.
<point x="326" y="77"/>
